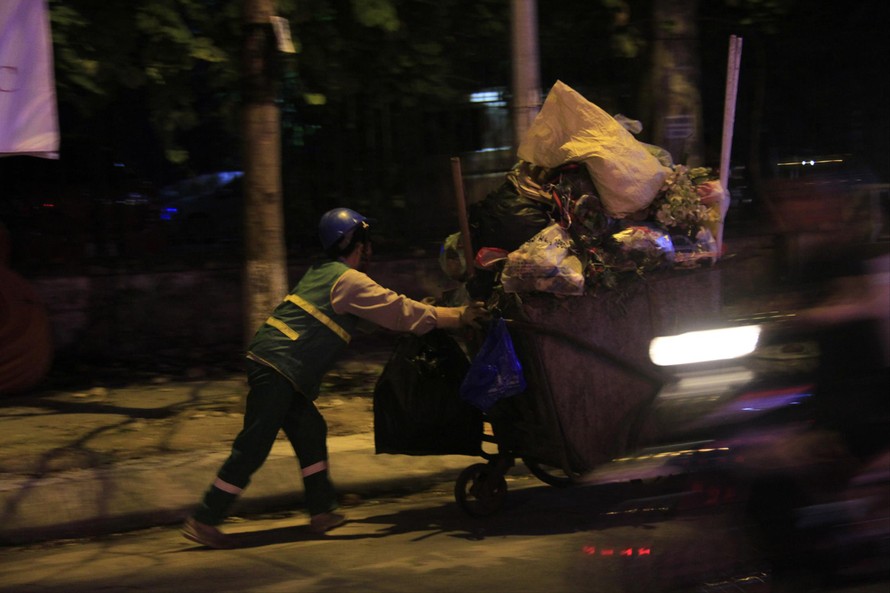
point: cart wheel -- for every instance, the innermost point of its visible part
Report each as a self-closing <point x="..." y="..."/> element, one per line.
<point x="549" y="474"/>
<point x="480" y="491"/>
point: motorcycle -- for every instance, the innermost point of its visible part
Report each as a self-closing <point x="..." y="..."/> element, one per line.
<point x="787" y="422"/>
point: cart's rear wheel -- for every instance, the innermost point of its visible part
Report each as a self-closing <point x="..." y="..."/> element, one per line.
<point x="549" y="474"/>
<point x="480" y="491"/>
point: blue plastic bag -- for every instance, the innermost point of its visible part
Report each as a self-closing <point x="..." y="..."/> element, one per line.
<point x="495" y="372"/>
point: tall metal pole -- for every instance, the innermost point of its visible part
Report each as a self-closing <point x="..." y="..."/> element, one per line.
<point x="733" y="63"/>
<point x="265" y="258"/>
<point x="526" y="68"/>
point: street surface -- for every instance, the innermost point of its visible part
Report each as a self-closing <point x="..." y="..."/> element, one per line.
<point x="544" y="539"/>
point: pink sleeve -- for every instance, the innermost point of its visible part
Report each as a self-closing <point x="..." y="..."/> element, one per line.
<point x="356" y="293"/>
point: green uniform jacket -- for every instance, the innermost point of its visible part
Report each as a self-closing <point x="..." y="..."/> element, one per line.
<point x="304" y="336"/>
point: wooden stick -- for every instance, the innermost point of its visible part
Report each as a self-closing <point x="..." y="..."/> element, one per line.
<point x="458" y="180"/>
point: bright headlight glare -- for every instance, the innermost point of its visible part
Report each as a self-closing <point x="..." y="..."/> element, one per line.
<point x="704" y="346"/>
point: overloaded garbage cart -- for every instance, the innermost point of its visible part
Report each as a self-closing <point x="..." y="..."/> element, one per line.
<point x="589" y="381"/>
<point x="594" y="244"/>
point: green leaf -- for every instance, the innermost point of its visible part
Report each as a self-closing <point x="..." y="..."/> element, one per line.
<point x="376" y="14"/>
<point x="177" y="156"/>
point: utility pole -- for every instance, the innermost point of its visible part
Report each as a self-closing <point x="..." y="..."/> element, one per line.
<point x="265" y="258"/>
<point x="526" y="68"/>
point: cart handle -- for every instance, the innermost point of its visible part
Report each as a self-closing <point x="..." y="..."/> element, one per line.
<point x="651" y="375"/>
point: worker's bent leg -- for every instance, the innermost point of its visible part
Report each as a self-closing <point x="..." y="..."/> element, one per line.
<point x="268" y="402"/>
<point x="307" y="431"/>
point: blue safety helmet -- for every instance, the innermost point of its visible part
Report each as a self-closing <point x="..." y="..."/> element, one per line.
<point x="337" y="223"/>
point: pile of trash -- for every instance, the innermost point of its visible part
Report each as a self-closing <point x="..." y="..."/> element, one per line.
<point x="588" y="207"/>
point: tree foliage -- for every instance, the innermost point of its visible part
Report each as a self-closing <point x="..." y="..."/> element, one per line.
<point x="402" y="52"/>
<point x="176" y="62"/>
<point x="173" y="62"/>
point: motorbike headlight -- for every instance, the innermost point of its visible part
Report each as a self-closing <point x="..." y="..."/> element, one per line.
<point x="704" y="346"/>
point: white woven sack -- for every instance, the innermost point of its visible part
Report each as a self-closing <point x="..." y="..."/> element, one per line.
<point x="569" y="128"/>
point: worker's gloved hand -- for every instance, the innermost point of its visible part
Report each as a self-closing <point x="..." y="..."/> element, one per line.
<point x="474" y="315"/>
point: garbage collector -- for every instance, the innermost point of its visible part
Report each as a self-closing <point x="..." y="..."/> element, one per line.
<point x="289" y="354"/>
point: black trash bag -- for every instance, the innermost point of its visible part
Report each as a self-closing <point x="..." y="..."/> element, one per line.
<point x="506" y="219"/>
<point x="417" y="407"/>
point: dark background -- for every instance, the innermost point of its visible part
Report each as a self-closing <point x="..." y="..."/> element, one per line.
<point x="813" y="83"/>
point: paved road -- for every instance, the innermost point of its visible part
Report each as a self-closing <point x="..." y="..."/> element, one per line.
<point x="545" y="539"/>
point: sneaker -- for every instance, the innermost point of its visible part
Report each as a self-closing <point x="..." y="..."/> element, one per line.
<point x="325" y="522"/>
<point x="206" y="535"/>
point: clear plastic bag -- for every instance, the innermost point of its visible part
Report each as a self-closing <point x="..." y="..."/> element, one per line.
<point x="544" y="263"/>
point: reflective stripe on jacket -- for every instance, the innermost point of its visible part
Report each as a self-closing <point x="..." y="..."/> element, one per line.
<point x="303" y="336"/>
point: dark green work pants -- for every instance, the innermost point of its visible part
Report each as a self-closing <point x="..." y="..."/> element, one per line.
<point x="272" y="405"/>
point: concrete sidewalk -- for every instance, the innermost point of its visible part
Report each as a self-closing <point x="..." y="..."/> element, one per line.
<point x="85" y="462"/>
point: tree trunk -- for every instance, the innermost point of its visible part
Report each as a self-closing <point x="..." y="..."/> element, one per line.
<point x="676" y="74"/>
<point x="265" y="258"/>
